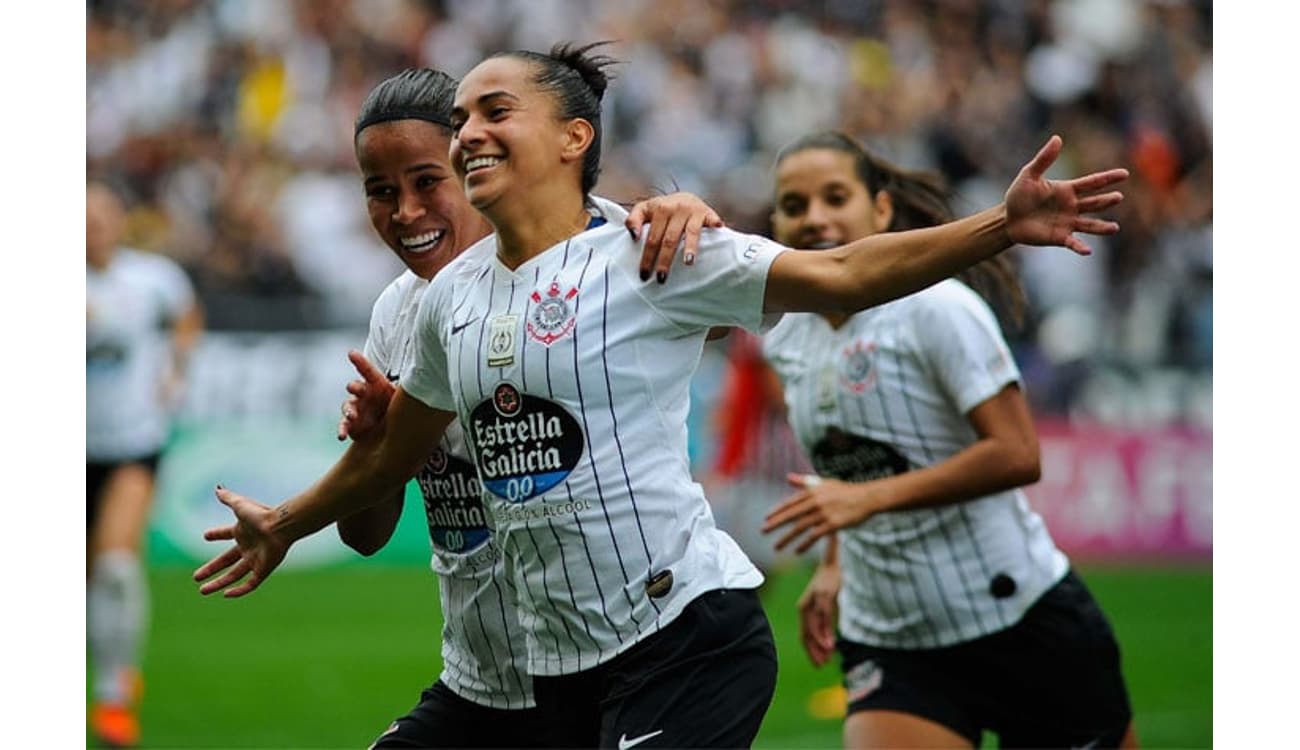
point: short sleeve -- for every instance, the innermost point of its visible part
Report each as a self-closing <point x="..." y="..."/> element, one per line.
<point x="378" y="348"/>
<point x="724" y="287"/>
<point x="960" y="339"/>
<point x="425" y="375"/>
<point x="175" y="291"/>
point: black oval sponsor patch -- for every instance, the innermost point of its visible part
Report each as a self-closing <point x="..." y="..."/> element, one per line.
<point x="525" y="444"/>
<point x="453" y="503"/>
<point x="853" y="458"/>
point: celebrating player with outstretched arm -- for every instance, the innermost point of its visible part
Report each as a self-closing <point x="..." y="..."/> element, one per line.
<point x="571" y="378"/>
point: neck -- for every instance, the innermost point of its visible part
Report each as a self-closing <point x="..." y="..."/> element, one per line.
<point x="526" y="231"/>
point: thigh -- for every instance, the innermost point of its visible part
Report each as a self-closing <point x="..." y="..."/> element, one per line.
<point x="443" y="719"/>
<point x="897" y="729"/>
<point x="907" y="698"/>
<point x="122" y="506"/>
<point x="706" y="680"/>
<point x="1060" y="682"/>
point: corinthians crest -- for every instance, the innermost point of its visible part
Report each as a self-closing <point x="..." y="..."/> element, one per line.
<point x="553" y="316"/>
<point x="857" y="366"/>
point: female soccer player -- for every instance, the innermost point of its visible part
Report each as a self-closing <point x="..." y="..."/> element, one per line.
<point x="571" y="379"/>
<point x="957" y="613"/>
<point x="484" y="697"/>
<point x="142" y="320"/>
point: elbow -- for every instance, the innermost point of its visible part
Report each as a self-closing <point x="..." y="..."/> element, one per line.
<point x="1027" y="468"/>
<point x="365" y="545"/>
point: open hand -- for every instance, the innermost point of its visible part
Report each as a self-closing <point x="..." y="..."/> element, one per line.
<point x="821" y="507"/>
<point x="257" y="551"/>
<point x="1049" y="212"/>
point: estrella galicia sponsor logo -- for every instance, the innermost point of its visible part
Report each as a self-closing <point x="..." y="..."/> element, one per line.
<point x="525" y="444"/>
<point x="453" y="503"/>
<point x="553" y="316"/>
<point x="854" y="458"/>
<point x="858" y="367"/>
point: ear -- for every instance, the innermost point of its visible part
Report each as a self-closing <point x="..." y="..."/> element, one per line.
<point x="882" y="209"/>
<point x="578" y="137"/>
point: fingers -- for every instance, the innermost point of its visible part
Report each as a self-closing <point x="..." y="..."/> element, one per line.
<point x="637" y="218"/>
<point x="1091" y="225"/>
<point x="1044" y="159"/>
<point x="786" y="512"/>
<point x="1091" y="183"/>
<point x="803" y="481"/>
<point x="227" y="498"/>
<point x="818" y="531"/>
<point x="668" y="245"/>
<point x="1078" y="245"/>
<point x="365" y="368"/>
<point x="228" y="578"/>
<point x="247" y="586"/>
<point x="804" y="524"/>
<point x="693" y="227"/>
<point x="1095" y="203"/>
<point x="220" y="562"/>
<point x="222" y="533"/>
<point x="357" y="388"/>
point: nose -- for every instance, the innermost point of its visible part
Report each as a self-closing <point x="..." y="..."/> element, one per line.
<point x="408" y="208"/>
<point x="470" y="134"/>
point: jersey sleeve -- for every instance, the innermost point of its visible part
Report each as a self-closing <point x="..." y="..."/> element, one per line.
<point x="425" y="376"/>
<point x="724" y="287"/>
<point x="378" y="348"/>
<point x="960" y="339"/>
<point x="175" y="292"/>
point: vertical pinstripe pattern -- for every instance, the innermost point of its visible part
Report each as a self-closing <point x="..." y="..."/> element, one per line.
<point x="482" y="641"/>
<point x="618" y="442"/>
<point x="580" y="447"/>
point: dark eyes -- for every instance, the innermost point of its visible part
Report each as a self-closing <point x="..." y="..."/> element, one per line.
<point x="493" y="113"/>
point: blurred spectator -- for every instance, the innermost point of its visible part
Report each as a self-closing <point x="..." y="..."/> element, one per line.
<point x="230" y="121"/>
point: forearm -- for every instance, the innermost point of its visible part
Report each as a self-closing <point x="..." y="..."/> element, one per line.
<point x="831" y="554"/>
<point x="984" y="468"/>
<point x="367" y="531"/>
<point x="883" y="267"/>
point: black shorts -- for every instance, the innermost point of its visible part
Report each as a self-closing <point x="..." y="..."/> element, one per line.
<point x="97" y="474"/>
<point x="1051" y="680"/>
<point x="443" y="719"/>
<point x="705" y="680"/>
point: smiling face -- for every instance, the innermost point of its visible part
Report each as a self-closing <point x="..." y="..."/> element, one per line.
<point x="509" y="139"/>
<point x="415" y="204"/>
<point x="821" y="201"/>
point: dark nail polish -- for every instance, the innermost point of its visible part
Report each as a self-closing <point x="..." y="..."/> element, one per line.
<point x="661" y="276"/>
<point x="645" y="275"/>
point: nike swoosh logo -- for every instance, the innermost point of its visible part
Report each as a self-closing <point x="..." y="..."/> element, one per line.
<point x="393" y="377"/>
<point x="624" y="743"/>
<point x="455" y="329"/>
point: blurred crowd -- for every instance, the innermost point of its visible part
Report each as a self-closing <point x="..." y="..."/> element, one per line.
<point x="228" y="125"/>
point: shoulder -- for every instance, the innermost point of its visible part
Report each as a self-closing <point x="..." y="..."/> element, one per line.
<point x="946" y="299"/>
<point x="397" y="290"/>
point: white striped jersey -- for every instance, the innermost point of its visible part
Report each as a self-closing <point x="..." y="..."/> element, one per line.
<point x="130" y="308"/>
<point x="887" y="392"/>
<point x="572" y="378"/>
<point x="483" y="655"/>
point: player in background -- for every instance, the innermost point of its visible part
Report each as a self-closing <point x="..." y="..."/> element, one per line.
<point x="956" y="611"/>
<point x="643" y="628"/>
<point x="142" y="321"/>
<point x="484" y="697"/>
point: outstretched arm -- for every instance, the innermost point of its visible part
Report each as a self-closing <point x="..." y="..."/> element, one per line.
<point x="366" y="473"/>
<point x="883" y="267"/>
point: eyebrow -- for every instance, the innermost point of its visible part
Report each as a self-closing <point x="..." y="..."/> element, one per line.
<point x="485" y="98"/>
<point x="417" y="168"/>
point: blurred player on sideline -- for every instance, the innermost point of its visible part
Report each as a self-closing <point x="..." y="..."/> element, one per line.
<point x="484" y="696"/>
<point x="956" y="611"/>
<point x="142" y="320"/>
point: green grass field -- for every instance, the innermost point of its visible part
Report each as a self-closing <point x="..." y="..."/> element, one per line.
<point x="326" y="659"/>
